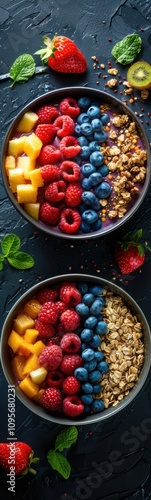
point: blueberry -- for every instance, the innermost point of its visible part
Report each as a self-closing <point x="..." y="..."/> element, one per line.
<point x="95" y="342"/>
<point x="88" y="198"/>
<point x="97" y="388"/>
<point x="89" y="216"/>
<point x="96" y="290"/>
<point x="95" y="178"/>
<point x="97" y="225"/>
<point x="86" y="184"/>
<point x="83" y="141"/>
<point x="86" y="410"/>
<point x="87" y="334"/>
<point x="103" y="170"/>
<point x="94" y="112"/>
<point x="100" y="136"/>
<point x="103" y="366"/>
<point x="81" y="374"/>
<point x="87" y="388"/>
<point x="101" y="327"/>
<point x="85" y="152"/>
<point x="97" y="206"/>
<point x="91" y="365"/>
<point x="99" y="356"/>
<point x="87" y="399"/>
<point x="88" y="298"/>
<point x="94" y="376"/>
<point x="83" y="118"/>
<point x="97" y="406"/>
<point x="82" y="309"/>
<point x="86" y="128"/>
<point x="88" y="354"/>
<point x="105" y="118"/>
<point x="103" y="189"/>
<point x="88" y="169"/>
<point x="83" y="346"/>
<point x="90" y="322"/>
<point x="85" y="228"/>
<point x="84" y="102"/>
<point x="96" y="307"/>
<point x="94" y="146"/>
<point x="77" y="129"/>
<point x="83" y="288"/>
<point x="81" y="208"/>
<point x="96" y="124"/>
<point x="96" y="158"/>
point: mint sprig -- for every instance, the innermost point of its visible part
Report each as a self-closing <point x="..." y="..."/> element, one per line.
<point x="22" y="68"/>
<point x="57" y="460"/>
<point x="10" y="246"/>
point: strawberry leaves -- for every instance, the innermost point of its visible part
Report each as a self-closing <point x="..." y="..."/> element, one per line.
<point x="10" y="246"/>
<point x="57" y="460"/>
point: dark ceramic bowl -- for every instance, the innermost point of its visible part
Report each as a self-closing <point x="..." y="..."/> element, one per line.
<point x="55" y="97"/>
<point x="106" y="413"/>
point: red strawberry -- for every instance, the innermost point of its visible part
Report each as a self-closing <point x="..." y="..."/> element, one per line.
<point x="48" y="214"/>
<point x="22" y="455"/>
<point x="62" y="55"/>
<point x="45" y="132"/>
<point x="130" y="254"/>
<point x="70" y="221"/>
<point x="47" y="114"/>
<point x="49" y="154"/>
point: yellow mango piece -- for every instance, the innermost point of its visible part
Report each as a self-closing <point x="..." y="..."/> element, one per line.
<point x="38" y="396"/>
<point x="36" y="178"/>
<point x="29" y="387"/>
<point x="14" y="340"/>
<point x="38" y="376"/>
<point x="16" y="146"/>
<point x="31" y="364"/>
<point x="25" y="348"/>
<point x="27" y="164"/>
<point x="22" y="322"/>
<point x="26" y="193"/>
<point x="38" y="347"/>
<point x="32" y="145"/>
<point x="27" y="122"/>
<point x="32" y="209"/>
<point x="31" y="335"/>
<point x="18" y="365"/>
<point x="10" y="163"/>
<point x="15" y="177"/>
<point x="32" y="308"/>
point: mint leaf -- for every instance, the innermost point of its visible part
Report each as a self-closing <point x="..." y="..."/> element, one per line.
<point x="1" y="261"/>
<point x="22" y="69"/>
<point x="127" y="49"/>
<point x="21" y="260"/>
<point x="10" y="243"/>
<point x="60" y="463"/>
<point x="66" y="438"/>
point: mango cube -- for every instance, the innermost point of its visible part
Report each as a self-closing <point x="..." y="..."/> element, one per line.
<point x="32" y="209"/>
<point x="25" y="348"/>
<point x="14" y="340"/>
<point x="18" y="365"/>
<point x="27" y="122"/>
<point x="32" y="146"/>
<point x="27" y="164"/>
<point x="16" y="146"/>
<point x="15" y="177"/>
<point x="38" y="347"/>
<point x="29" y="387"/>
<point x="32" y="308"/>
<point x="31" y="364"/>
<point x="31" y="335"/>
<point x="36" y="178"/>
<point x="39" y="395"/>
<point x="38" y="376"/>
<point x="26" y="193"/>
<point x="10" y="163"/>
<point x="22" y="322"/>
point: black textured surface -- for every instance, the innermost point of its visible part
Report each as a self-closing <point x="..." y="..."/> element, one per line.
<point x="110" y="461"/>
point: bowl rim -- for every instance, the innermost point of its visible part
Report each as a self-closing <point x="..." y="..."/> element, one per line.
<point x="73" y="91"/>
<point x="106" y="413"/>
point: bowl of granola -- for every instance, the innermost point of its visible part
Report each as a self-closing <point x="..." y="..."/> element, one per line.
<point x="76" y="163"/>
<point x="77" y="348"/>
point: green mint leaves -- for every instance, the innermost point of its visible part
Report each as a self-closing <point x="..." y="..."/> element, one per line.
<point x="64" y="440"/>
<point x="10" y="246"/>
<point x="127" y="49"/>
<point x="22" y="69"/>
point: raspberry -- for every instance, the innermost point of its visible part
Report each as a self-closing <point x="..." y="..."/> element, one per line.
<point x="50" y="173"/>
<point x="51" y="356"/>
<point x="71" y="385"/>
<point x="48" y="313"/>
<point x="45" y="132"/>
<point x="70" y="362"/>
<point x="55" y="378"/>
<point x="49" y="154"/>
<point x="69" y="106"/>
<point x="48" y="214"/>
<point x="70" y="220"/>
<point x="47" y="114"/>
<point x="64" y="125"/>
<point x="70" y="343"/>
<point x="69" y="146"/>
<point x="51" y="399"/>
<point x="60" y="306"/>
<point x="61" y="329"/>
<point x="47" y="294"/>
<point x="44" y="329"/>
<point x="70" y="319"/>
<point x="70" y="170"/>
<point x="55" y="191"/>
<point x="72" y="406"/>
<point x="70" y="294"/>
<point x="73" y="195"/>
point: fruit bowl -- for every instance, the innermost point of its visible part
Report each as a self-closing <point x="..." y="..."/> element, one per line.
<point x="79" y="169"/>
<point x="88" y="372"/>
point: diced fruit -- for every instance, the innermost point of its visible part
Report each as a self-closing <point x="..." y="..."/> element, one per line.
<point x="29" y="387"/>
<point x="38" y="376"/>
<point x="27" y="164"/>
<point x="25" y="348"/>
<point x="15" y="177"/>
<point x="31" y="364"/>
<point x="16" y="146"/>
<point x="10" y="162"/>
<point x="18" y="363"/>
<point x="36" y="178"/>
<point x="32" y="209"/>
<point x="14" y="341"/>
<point x="26" y="193"/>
<point x="22" y="322"/>
<point x="31" y="335"/>
<point x="37" y="347"/>
<point x="38" y="396"/>
<point x="32" y="308"/>
<point x="27" y="122"/>
<point x="32" y="146"/>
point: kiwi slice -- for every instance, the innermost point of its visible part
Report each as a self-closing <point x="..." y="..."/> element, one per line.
<point x="139" y="75"/>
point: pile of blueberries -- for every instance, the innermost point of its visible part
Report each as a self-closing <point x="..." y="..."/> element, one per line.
<point x="90" y="133"/>
<point x="94" y="366"/>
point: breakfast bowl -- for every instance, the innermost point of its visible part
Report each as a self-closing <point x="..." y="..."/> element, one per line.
<point x="77" y="348"/>
<point x="76" y="163"/>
